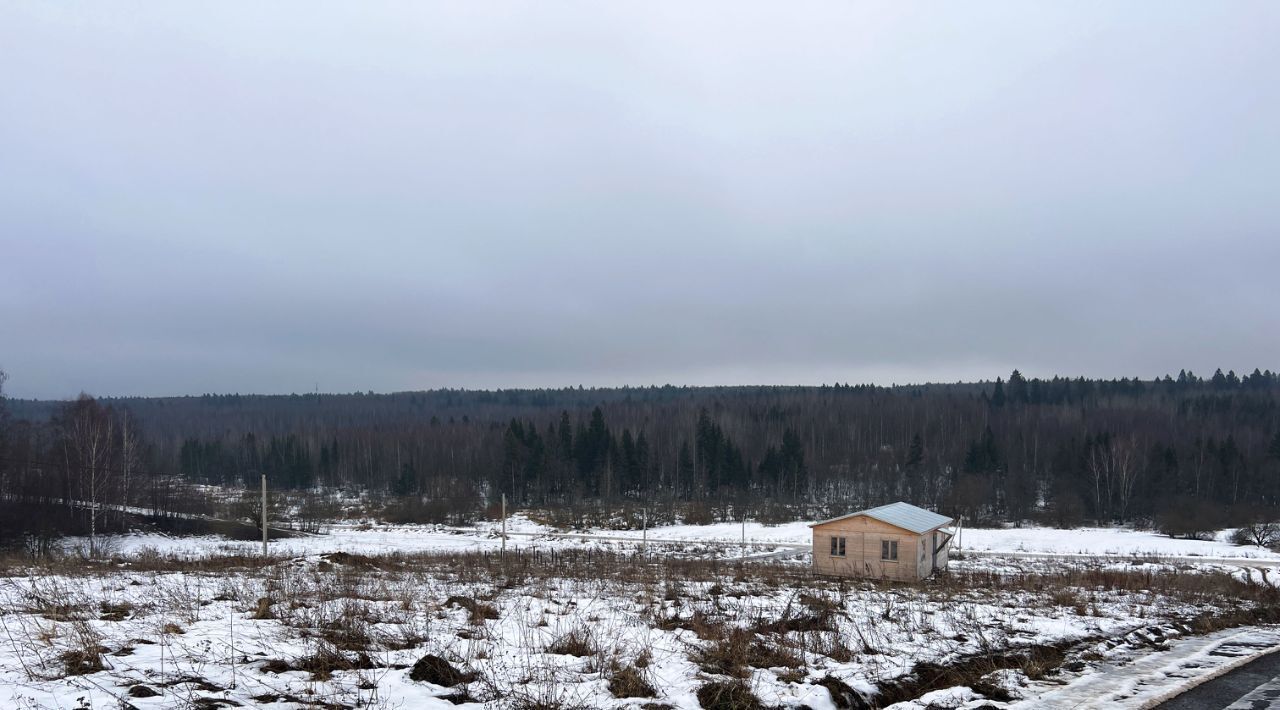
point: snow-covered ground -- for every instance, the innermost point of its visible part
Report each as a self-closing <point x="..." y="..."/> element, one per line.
<point x="1083" y="541"/>
<point x="349" y="632"/>
<point x="189" y="632"/>
<point x="371" y="538"/>
<point x="1106" y="541"/>
<point x="1136" y="679"/>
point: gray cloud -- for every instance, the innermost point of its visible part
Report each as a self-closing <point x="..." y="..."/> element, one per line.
<point x="200" y="197"/>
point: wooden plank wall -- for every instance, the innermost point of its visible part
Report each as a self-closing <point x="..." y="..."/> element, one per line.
<point x="862" y="550"/>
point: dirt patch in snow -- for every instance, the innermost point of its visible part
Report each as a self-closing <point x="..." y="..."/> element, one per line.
<point x="1035" y="661"/>
<point x="434" y="669"/>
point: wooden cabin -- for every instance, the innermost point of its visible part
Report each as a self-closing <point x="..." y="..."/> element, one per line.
<point x="897" y="541"/>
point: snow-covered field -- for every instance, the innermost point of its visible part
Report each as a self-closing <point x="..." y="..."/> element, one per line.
<point x="582" y="621"/>
<point x="1107" y="541"/>
<point x="349" y="632"/>
<point x="523" y="533"/>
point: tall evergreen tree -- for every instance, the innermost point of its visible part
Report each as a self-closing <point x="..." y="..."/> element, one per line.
<point x="915" y="453"/>
<point x="997" y="394"/>
<point x="1018" y="393"/>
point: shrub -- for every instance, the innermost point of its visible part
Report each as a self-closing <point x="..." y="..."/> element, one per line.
<point x="727" y="656"/>
<point x="697" y="513"/>
<point x="1263" y="533"/>
<point x="142" y="691"/>
<point x="263" y="610"/>
<point x="842" y="695"/>
<point x="1189" y="518"/>
<point x="115" y="612"/>
<point x="434" y="669"/>
<point x="477" y="611"/>
<point x="728" y="695"/>
<point x="414" y="510"/>
<point x="629" y="682"/>
<point x="327" y="659"/>
<point x="83" y="661"/>
<point x="578" y="642"/>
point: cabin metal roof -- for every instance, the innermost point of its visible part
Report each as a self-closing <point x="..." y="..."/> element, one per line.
<point x="902" y="515"/>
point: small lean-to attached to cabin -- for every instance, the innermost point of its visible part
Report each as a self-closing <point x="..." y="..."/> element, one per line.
<point x="896" y="541"/>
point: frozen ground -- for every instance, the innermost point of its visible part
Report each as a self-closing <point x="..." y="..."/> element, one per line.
<point x="1136" y="679"/>
<point x="347" y="631"/>
<point x="1128" y="672"/>
<point x="1106" y="541"/>
<point x="379" y="539"/>
<point x="1083" y="541"/>
<point x="178" y="617"/>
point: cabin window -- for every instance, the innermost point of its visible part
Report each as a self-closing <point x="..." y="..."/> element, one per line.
<point x="888" y="549"/>
<point x="837" y="547"/>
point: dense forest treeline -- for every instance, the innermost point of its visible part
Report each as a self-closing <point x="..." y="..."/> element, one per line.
<point x="1063" y="450"/>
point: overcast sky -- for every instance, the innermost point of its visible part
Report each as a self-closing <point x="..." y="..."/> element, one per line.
<point x="272" y="197"/>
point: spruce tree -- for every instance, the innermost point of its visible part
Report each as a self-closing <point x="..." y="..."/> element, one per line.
<point x="915" y="454"/>
<point x="1018" y="388"/>
<point x="566" y="436"/>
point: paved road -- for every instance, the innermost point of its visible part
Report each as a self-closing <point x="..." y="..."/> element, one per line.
<point x="1253" y="686"/>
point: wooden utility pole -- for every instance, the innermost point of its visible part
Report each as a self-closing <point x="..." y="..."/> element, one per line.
<point x="504" y="523"/>
<point x="264" y="515"/>
<point x="644" y="528"/>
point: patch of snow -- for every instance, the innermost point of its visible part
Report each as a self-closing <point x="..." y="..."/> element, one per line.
<point x="1151" y="675"/>
<point x="1105" y="541"/>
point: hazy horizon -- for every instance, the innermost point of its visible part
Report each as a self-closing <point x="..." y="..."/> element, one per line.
<point x="216" y="198"/>
<point x="986" y="379"/>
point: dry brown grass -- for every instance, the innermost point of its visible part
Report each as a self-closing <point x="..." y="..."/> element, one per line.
<point x="114" y="611"/>
<point x="477" y="612"/>
<point x="579" y="642"/>
<point x="631" y="682"/>
<point x="355" y="606"/>
<point x="728" y="695"/>
<point x="83" y="661"/>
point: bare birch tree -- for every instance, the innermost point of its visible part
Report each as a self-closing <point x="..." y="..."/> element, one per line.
<point x="128" y="456"/>
<point x="1114" y="469"/>
<point x="87" y="444"/>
